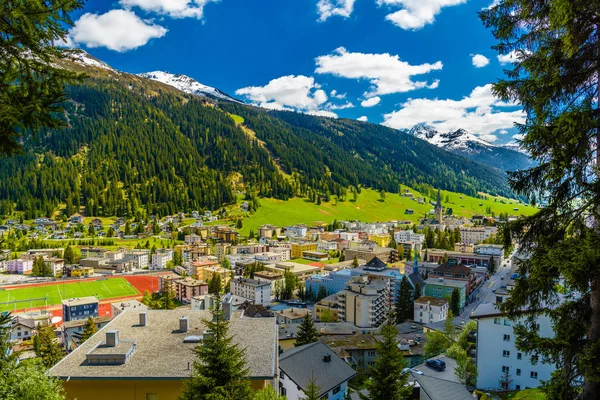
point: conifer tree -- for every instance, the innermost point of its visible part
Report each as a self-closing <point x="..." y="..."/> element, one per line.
<point x="387" y="380"/>
<point x="220" y="370"/>
<point x="46" y="346"/>
<point x="554" y="78"/>
<point x="69" y="255"/>
<point x="89" y="329"/>
<point x="307" y="333"/>
<point x="214" y="285"/>
<point x="355" y="262"/>
<point x="455" y="302"/>
<point x="418" y="291"/>
<point x="312" y="390"/>
<point x="404" y="302"/>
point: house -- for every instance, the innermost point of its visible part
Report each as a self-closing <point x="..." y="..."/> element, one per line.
<point x="453" y="270"/>
<point x="77" y="219"/>
<point x="187" y="288"/>
<point x="442" y="288"/>
<point x="150" y="353"/>
<point x="292" y="315"/>
<point x="316" y="361"/>
<point x="428" y="310"/>
<point x="268" y="231"/>
<point x="252" y="310"/>
<point x="161" y="258"/>
<point x="80" y="308"/>
<point x="434" y="388"/>
<point x="23" y="328"/>
<point x="257" y="291"/>
<point x="358" y="350"/>
<point x="72" y="330"/>
<point x="497" y="350"/>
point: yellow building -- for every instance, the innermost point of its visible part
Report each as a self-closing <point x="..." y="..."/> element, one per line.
<point x="381" y="240"/>
<point x="146" y="355"/>
<point x="209" y="272"/>
<point x="328" y="309"/>
<point x="299" y="248"/>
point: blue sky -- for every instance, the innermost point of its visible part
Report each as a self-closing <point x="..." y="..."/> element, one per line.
<point x="396" y="62"/>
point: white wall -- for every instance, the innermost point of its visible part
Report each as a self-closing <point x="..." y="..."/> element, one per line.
<point x="490" y="359"/>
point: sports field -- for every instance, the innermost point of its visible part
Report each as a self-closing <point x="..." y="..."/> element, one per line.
<point x="47" y="295"/>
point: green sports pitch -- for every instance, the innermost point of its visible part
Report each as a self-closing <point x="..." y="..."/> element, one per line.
<point x="47" y="295"/>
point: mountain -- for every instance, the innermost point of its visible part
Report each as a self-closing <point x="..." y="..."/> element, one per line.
<point x="462" y="142"/>
<point x="188" y="85"/>
<point x="136" y="146"/>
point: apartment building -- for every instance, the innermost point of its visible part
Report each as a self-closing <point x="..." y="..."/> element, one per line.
<point x="161" y="258"/>
<point x="428" y="310"/>
<point x="365" y="303"/>
<point x="252" y="289"/>
<point x="474" y="235"/>
<point x="187" y="288"/>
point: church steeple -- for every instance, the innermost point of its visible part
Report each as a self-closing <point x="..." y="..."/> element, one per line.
<point x="438" y="207"/>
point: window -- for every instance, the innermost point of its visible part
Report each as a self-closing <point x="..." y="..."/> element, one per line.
<point x="506" y="322"/>
<point x="519" y="356"/>
<point x="372" y="353"/>
<point x="507" y="338"/>
<point x="533" y="375"/>
<point x="518" y="371"/>
<point x="151" y="396"/>
<point x="497" y="321"/>
<point x="518" y="387"/>
<point x="421" y="314"/>
<point x="337" y="390"/>
<point x="505" y="353"/>
<point x="505" y="368"/>
<point x="282" y="376"/>
<point x="534" y="360"/>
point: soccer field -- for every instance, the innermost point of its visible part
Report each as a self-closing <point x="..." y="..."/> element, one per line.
<point x="54" y="294"/>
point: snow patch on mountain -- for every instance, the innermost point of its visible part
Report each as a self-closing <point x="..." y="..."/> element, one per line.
<point x="84" y="58"/>
<point x="188" y="85"/>
<point x="457" y="140"/>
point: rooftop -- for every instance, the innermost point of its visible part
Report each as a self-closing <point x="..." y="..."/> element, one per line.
<point x="81" y="322"/>
<point x="251" y="282"/>
<point x="160" y="349"/>
<point x="432" y="300"/>
<point x="440" y="389"/>
<point x="316" y="360"/>
<point x="79" y="301"/>
<point x="445" y="282"/>
<point x="293" y="313"/>
<point x="191" y="282"/>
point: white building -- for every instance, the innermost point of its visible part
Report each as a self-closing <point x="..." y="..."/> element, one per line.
<point x="285" y="252"/>
<point x="349" y="236"/>
<point x="429" y="310"/>
<point x="193" y="239"/>
<point x="20" y="266"/>
<point x="363" y="303"/>
<point x="161" y="258"/>
<point x="139" y="258"/>
<point x="409" y="236"/>
<point x="251" y="289"/>
<point x="495" y="250"/>
<point x="327" y="246"/>
<point x="268" y="257"/>
<point x="497" y="352"/>
<point x="473" y="235"/>
<point x="296" y="231"/>
<point x="298" y="366"/>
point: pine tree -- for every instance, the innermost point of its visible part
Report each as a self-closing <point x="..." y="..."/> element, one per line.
<point x="225" y="263"/>
<point x="268" y="393"/>
<point x="418" y="291"/>
<point x="214" y="285"/>
<point x="355" y="262"/>
<point x="46" y="346"/>
<point x="387" y="380"/>
<point x="220" y="370"/>
<point x="312" y="390"/>
<point x="307" y="333"/>
<point x="89" y="329"/>
<point x="69" y="255"/>
<point x="404" y="303"/>
<point x="555" y="79"/>
<point x="455" y="302"/>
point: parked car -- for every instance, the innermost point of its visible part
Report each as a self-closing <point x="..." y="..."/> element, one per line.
<point x="414" y="371"/>
<point x="436" y="364"/>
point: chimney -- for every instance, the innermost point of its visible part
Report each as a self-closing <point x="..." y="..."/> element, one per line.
<point x="143" y="319"/>
<point x="112" y="338"/>
<point x="327" y="357"/>
<point x="184" y="324"/>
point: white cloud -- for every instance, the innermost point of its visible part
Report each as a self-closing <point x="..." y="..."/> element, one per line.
<point x="372" y="102"/>
<point x="337" y="95"/>
<point x="415" y="14"/>
<point x="330" y="8"/>
<point x="323" y="113"/>
<point x="519" y="136"/>
<point x="172" y="8"/>
<point x="479" y="60"/>
<point x="363" y="118"/>
<point x="340" y="106"/>
<point x="508" y="58"/>
<point x="488" y="137"/>
<point x="291" y="92"/>
<point x="118" y="30"/>
<point x="503" y="131"/>
<point x="494" y="4"/>
<point x="386" y="73"/>
<point x="480" y="113"/>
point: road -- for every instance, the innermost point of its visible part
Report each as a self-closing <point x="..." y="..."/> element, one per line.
<point x="486" y="293"/>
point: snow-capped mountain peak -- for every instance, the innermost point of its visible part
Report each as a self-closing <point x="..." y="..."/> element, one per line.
<point x="188" y="85"/>
<point x="423" y="131"/>
<point x="83" y="58"/>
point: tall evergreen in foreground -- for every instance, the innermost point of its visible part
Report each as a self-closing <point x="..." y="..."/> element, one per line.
<point x="404" y="303"/>
<point x="47" y="347"/>
<point x="31" y="85"/>
<point x="89" y="329"/>
<point x="220" y="371"/>
<point x="387" y="381"/>
<point x="307" y="333"/>
<point x="555" y="78"/>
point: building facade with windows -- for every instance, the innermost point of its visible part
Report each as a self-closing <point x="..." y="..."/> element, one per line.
<point x="497" y="351"/>
<point x="80" y="308"/>
<point x="252" y="289"/>
<point x="429" y="310"/>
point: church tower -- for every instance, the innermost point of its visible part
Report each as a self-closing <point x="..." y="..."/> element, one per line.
<point x="438" y="208"/>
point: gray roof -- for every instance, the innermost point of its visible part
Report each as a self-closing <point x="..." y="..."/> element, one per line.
<point x="300" y="364"/>
<point x="434" y="280"/>
<point x="80" y="301"/>
<point x="160" y="352"/>
<point x="440" y="389"/>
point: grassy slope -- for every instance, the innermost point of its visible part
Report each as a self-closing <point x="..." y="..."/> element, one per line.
<point x="369" y="208"/>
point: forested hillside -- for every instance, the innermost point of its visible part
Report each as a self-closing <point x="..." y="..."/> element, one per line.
<point x="136" y="146"/>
